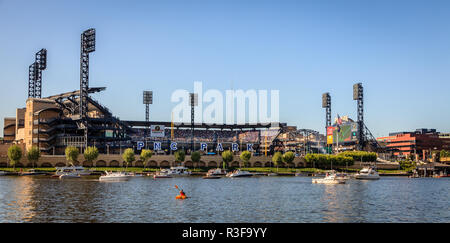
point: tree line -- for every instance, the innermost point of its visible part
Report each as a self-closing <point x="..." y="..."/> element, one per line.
<point x="347" y="158"/>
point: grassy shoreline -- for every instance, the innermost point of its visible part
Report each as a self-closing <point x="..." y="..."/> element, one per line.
<point x="200" y="170"/>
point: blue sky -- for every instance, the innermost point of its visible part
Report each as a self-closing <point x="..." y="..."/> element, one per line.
<point x="399" y="50"/>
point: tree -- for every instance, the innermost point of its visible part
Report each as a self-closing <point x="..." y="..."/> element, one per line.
<point x="146" y="154"/>
<point x="91" y="153"/>
<point x="407" y="165"/>
<point x="33" y="155"/>
<point x="72" y="154"/>
<point x="128" y="156"/>
<point x="180" y="156"/>
<point x="227" y="157"/>
<point x="14" y="155"/>
<point x="328" y="160"/>
<point x="361" y="156"/>
<point x="277" y="158"/>
<point x="245" y="157"/>
<point x="444" y="154"/>
<point x="288" y="158"/>
<point x="195" y="157"/>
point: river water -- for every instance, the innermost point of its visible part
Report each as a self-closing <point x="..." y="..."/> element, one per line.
<point x="225" y="200"/>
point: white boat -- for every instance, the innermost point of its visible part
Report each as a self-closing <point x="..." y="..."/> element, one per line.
<point x="216" y="172"/>
<point x="329" y="179"/>
<point x="68" y="169"/>
<point x="32" y="172"/>
<point x="3" y="173"/>
<point x="69" y="175"/>
<point x="161" y="175"/>
<point x="114" y="176"/>
<point x="367" y="173"/>
<point x="175" y="171"/>
<point x="239" y="173"/>
<point x="272" y="174"/>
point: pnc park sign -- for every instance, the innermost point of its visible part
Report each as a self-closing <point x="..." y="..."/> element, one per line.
<point x="203" y="146"/>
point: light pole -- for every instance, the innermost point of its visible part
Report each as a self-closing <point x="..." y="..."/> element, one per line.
<point x="147" y="101"/>
<point x="194" y="102"/>
<point x="326" y="103"/>
<point x="87" y="46"/>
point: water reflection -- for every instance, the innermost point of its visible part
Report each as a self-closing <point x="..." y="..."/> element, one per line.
<point x="258" y="199"/>
<point x="17" y="201"/>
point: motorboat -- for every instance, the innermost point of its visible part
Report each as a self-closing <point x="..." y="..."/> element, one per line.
<point x="330" y="178"/>
<point x="114" y="176"/>
<point x="32" y="172"/>
<point x="3" y="173"/>
<point x="217" y="172"/>
<point x="69" y="175"/>
<point x="176" y="171"/>
<point x="67" y="169"/>
<point x="367" y="173"/>
<point x="272" y="174"/>
<point x="162" y="174"/>
<point x="239" y="173"/>
<point x="303" y="174"/>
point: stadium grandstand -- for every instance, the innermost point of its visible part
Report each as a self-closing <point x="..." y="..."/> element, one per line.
<point x="53" y="123"/>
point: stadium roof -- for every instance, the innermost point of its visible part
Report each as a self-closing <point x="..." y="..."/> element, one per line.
<point x="203" y="125"/>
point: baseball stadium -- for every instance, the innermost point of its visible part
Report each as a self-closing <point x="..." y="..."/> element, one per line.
<point x="74" y="118"/>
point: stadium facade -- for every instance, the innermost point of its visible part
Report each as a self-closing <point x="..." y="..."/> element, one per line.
<point x="53" y="123"/>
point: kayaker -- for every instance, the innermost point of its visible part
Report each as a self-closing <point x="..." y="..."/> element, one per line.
<point x="182" y="194"/>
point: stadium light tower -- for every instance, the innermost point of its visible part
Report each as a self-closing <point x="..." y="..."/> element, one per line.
<point x="358" y="95"/>
<point x="35" y="74"/>
<point x="194" y="102"/>
<point x="326" y="103"/>
<point x="87" y="46"/>
<point x="41" y="64"/>
<point x="31" y="79"/>
<point x="147" y="101"/>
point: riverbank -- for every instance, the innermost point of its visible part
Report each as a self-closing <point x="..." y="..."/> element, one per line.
<point x="203" y="171"/>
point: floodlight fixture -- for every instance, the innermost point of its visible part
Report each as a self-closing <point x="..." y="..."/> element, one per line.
<point x="148" y="97"/>
<point x="88" y="40"/>
<point x="193" y="97"/>
<point x="41" y="59"/>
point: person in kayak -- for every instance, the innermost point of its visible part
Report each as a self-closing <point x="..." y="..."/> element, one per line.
<point x="182" y="194"/>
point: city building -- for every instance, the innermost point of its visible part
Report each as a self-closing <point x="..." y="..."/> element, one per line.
<point x="418" y="145"/>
